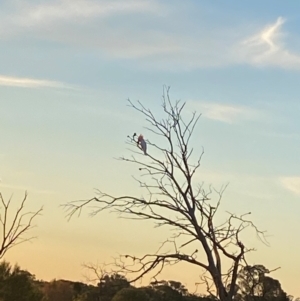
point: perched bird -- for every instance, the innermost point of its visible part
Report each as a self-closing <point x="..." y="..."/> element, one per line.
<point x="142" y="143"/>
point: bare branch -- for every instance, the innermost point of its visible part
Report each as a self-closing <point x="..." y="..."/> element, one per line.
<point x="15" y="225"/>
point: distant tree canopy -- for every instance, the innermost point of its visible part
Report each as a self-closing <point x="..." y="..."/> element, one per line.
<point x="17" y="284"/>
<point x="109" y="285"/>
<point x="59" y="291"/>
<point x="255" y="285"/>
<point x="131" y="294"/>
<point x="169" y="290"/>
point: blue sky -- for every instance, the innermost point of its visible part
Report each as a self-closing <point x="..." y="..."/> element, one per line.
<point x="66" y="70"/>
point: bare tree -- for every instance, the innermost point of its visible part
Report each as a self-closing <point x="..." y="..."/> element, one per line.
<point x="15" y="225"/>
<point x="173" y="199"/>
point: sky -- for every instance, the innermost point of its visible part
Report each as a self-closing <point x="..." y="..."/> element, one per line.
<point x="67" y="68"/>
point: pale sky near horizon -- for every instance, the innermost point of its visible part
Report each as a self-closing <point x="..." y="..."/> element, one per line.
<point x="66" y="70"/>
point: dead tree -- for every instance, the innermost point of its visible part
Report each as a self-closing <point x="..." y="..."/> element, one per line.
<point x="173" y="199"/>
<point x="15" y="225"/>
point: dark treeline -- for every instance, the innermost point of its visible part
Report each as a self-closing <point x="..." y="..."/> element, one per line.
<point x="254" y="284"/>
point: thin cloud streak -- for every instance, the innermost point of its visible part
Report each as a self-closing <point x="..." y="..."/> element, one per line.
<point x="291" y="183"/>
<point x="223" y="112"/>
<point x="31" y="15"/>
<point x="24" y="82"/>
<point x="86" y="9"/>
<point x="25" y="188"/>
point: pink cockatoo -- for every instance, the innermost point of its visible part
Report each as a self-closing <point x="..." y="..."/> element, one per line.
<point x="142" y="143"/>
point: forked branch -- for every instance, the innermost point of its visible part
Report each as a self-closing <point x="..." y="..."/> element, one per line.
<point x="14" y="225"/>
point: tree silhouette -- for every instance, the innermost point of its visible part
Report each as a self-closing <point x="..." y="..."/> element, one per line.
<point x="17" y="284"/>
<point x="173" y="199"/>
<point x="14" y="226"/>
<point x="130" y="294"/>
<point x="58" y="290"/>
<point x="254" y="284"/>
<point x="109" y="285"/>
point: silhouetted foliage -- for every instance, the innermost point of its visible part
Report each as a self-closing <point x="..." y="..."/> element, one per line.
<point x="59" y="290"/>
<point x="17" y="284"/>
<point x="131" y="294"/>
<point x="169" y="290"/>
<point x="255" y="285"/>
<point x="109" y="285"/>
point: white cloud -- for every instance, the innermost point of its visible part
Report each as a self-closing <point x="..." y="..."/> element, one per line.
<point x="223" y="112"/>
<point x="266" y="48"/>
<point x="27" y="14"/>
<point x="30" y="83"/>
<point x="291" y="183"/>
<point x="68" y="9"/>
<point x="93" y="25"/>
<point x="109" y="28"/>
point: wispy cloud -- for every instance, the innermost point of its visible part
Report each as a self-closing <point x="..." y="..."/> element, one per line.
<point x="25" y="188"/>
<point x="224" y="112"/>
<point x="157" y="42"/>
<point x="291" y="183"/>
<point x="88" y="24"/>
<point x="29" y="14"/>
<point x="72" y="9"/>
<point x="24" y="82"/>
<point x="266" y="48"/>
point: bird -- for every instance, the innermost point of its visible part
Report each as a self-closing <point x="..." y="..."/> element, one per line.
<point x="142" y="143"/>
<point x="133" y="137"/>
